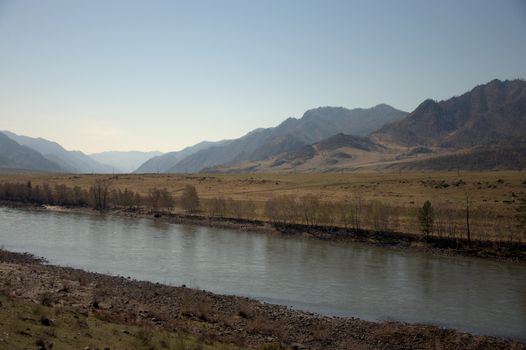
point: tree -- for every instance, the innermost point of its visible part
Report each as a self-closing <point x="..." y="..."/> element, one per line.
<point x="190" y="199"/>
<point x="521" y="216"/>
<point x="282" y="210"/>
<point x="309" y="207"/>
<point x="426" y="218"/>
<point x="216" y="207"/>
<point x="468" y="229"/>
<point x="99" y="193"/>
<point x="159" y="198"/>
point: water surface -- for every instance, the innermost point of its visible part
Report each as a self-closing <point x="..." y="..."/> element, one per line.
<point x="372" y="283"/>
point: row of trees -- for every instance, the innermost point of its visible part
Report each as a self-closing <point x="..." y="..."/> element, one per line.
<point x="352" y="213"/>
<point x="100" y="196"/>
<point x="358" y="214"/>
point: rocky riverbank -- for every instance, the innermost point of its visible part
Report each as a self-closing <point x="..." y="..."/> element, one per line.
<point x="215" y="318"/>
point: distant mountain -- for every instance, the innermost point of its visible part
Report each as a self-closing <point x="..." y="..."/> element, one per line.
<point x="126" y="162"/>
<point x="68" y="161"/>
<point x="291" y="135"/>
<point x="162" y="163"/>
<point x="494" y="112"/>
<point x="16" y="156"/>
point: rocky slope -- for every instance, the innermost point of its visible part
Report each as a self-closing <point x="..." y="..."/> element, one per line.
<point x="493" y="112"/>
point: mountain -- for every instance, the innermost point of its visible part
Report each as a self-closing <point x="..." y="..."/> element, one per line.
<point x="330" y="154"/>
<point x="489" y="113"/>
<point x="124" y="161"/>
<point x="480" y="158"/>
<point x="484" y="128"/>
<point x="291" y="135"/>
<point x="16" y="156"/>
<point x="162" y="163"/>
<point x="68" y="161"/>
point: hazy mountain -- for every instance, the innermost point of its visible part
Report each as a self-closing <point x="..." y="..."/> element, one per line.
<point x="68" y="161"/>
<point x="16" y="156"/>
<point x="291" y="135"/>
<point x="494" y="112"/>
<point x="124" y="161"/>
<point x="161" y="164"/>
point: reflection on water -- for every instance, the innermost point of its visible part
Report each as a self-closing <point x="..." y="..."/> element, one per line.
<point x="372" y="283"/>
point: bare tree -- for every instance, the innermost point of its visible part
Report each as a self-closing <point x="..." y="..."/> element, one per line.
<point x="99" y="193"/>
<point x="190" y="199"/>
<point x="468" y="229"/>
<point x="160" y="198"/>
<point x="216" y="207"/>
<point x="356" y="211"/>
<point x="309" y="207"/>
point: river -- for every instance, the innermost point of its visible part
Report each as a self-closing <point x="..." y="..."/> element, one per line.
<point x="342" y="279"/>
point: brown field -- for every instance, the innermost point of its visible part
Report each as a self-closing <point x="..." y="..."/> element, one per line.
<point x="493" y="195"/>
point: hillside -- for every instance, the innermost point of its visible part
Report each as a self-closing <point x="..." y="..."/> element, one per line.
<point x="480" y="158"/>
<point x="291" y="135"/>
<point x="331" y="154"/>
<point x="68" y="161"/>
<point x="494" y="112"/>
<point x="16" y="156"/>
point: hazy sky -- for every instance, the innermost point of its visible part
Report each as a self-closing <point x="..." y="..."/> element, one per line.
<point x="161" y="75"/>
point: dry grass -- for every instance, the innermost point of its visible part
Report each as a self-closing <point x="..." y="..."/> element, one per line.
<point x="25" y="325"/>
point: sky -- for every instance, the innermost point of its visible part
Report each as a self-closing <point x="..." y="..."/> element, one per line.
<point x="104" y="75"/>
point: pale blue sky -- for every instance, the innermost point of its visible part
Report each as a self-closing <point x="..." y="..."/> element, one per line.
<point x="120" y="75"/>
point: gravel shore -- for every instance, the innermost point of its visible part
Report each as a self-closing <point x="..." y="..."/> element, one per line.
<point x="212" y="317"/>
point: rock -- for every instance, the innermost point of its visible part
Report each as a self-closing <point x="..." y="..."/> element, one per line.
<point x="45" y="321"/>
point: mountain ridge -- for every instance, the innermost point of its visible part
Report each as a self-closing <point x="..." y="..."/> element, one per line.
<point x="68" y="161"/>
<point x="16" y="156"/>
<point x="291" y="134"/>
<point x="489" y="112"/>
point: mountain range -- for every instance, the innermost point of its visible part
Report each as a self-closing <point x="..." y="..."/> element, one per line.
<point x="484" y="128"/>
<point x="125" y="162"/>
<point x="16" y="156"/>
<point x="289" y="136"/>
<point x="67" y="161"/>
<point x="38" y="154"/>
